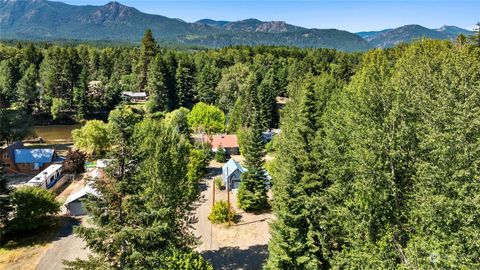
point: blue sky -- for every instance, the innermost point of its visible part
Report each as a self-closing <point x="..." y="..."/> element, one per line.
<point x="353" y="15"/>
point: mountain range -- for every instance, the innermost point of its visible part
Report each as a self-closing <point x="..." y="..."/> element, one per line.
<point x="48" y="20"/>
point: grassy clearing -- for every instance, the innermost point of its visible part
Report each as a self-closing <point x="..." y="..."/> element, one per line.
<point x="24" y="251"/>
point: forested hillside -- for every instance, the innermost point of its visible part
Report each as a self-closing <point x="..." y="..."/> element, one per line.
<point x="114" y="22"/>
<point x="405" y="34"/>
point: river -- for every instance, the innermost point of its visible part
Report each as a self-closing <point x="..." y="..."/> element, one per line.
<point x="55" y="133"/>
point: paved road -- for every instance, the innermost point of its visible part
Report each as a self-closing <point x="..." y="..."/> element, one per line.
<point x="66" y="247"/>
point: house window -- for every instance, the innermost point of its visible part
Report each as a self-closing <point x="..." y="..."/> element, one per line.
<point x="5" y="155"/>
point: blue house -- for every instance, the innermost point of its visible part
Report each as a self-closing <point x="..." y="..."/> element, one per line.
<point x="231" y="173"/>
<point x="17" y="159"/>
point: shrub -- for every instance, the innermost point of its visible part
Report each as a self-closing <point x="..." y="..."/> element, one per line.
<point x="33" y="207"/>
<point x="198" y="162"/>
<point x="219" y="183"/>
<point x="221" y="155"/>
<point x="187" y="260"/>
<point x="75" y="162"/>
<point x="269" y="147"/>
<point x="219" y="213"/>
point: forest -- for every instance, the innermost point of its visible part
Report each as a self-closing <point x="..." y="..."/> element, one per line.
<point x="377" y="165"/>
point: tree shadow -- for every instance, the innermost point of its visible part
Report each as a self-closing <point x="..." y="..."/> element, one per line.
<point x="227" y="258"/>
<point x="58" y="227"/>
<point x="213" y="172"/>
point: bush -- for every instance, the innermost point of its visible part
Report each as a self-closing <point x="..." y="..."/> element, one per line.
<point x="33" y="207"/>
<point x="219" y="213"/>
<point x="75" y="162"/>
<point x="221" y="155"/>
<point x="269" y="147"/>
<point x="219" y="183"/>
<point x="197" y="164"/>
<point x="186" y="260"/>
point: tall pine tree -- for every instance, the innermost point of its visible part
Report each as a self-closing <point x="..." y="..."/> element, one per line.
<point x="185" y="82"/>
<point x="28" y="94"/>
<point x="148" y="51"/>
<point x="252" y="194"/>
<point x="80" y="92"/>
<point x="267" y="92"/>
<point x="156" y="88"/>
<point x="299" y="237"/>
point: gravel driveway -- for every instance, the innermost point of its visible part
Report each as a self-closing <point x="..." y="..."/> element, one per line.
<point x="67" y="247"/>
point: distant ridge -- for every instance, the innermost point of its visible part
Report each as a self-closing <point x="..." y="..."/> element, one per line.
<point x="391" y="37"/>
<point x="48" y="20"/>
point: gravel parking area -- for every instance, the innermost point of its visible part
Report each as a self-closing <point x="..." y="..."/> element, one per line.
<point x="242" y="245"/>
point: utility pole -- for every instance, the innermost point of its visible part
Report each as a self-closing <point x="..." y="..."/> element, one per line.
<point x="228" y="199"/>
<point x="213" y="195"/>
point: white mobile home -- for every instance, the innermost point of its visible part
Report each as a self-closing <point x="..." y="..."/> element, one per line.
<point x="48" y="177"/>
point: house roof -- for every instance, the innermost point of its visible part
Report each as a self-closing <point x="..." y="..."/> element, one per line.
<point x="11" y="148"/>
<point x="37" y="155"/>
<point x="81" y="194"/>
<point x="231" y="166"/>
<point x="226" y="141"/>
<point x="134" y="94"/>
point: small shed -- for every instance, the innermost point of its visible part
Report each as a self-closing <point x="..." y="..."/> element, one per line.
<point x="231" y="173"/>
<point x="74" y="204"/>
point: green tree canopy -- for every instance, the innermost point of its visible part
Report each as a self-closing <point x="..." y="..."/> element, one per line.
<point x="33" y="207"/>
<point x="92" y="138"/>
<point x="207" y="118"/>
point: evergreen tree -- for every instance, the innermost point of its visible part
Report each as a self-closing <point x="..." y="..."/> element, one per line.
<point x="185" y="82"/>
<point x="80" y="100"/>
<point x="8" y="81"/>
<point x="300" y="239"/>
<point x="442" y="83"/>
<point x="169" y="73"/>
<point x="159" y="99"/>
<point x="112" y="238"/>
<point x="207" y="80"/>
<point x="252" y="194"/>
<point x="148" y="51"/>
<point x="31" y="55"/>
<point x="142" y="225"/>
<point x="28" y="94"/>
<point x="70" y="73"/>
<point x="267" y="92"/>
